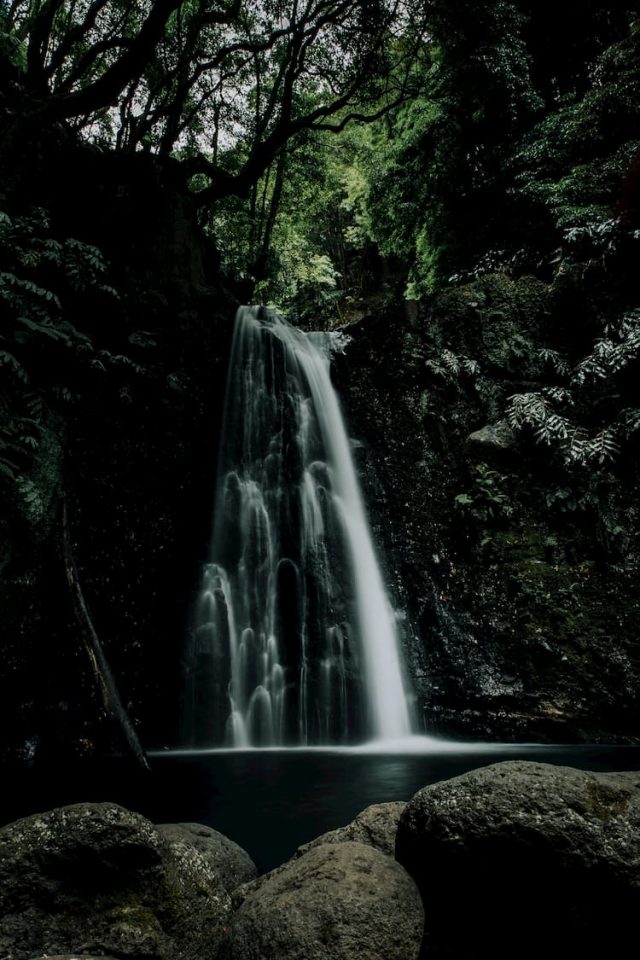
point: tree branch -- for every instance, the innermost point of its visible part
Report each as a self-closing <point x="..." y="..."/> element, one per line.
<point x="73" y="35"/>
<point x="104" y="91"/>
<point x="40" y="31"/>
<point x="89" y="58"/>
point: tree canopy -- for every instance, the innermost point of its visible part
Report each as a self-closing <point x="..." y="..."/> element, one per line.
<point x="453" y="121"/>
<point x="224" y="86"/>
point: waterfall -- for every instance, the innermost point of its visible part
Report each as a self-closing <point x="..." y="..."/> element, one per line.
<point x="295" y="641"/>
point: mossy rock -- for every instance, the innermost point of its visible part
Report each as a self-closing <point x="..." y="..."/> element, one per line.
<point x="495" y="318"/>
<point x="99" y="879"/>
<point x="528" y="840"/>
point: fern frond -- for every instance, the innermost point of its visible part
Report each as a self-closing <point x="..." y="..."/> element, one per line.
<point x="121" y="360"/>
<point x="560" y="395"/>
<point x="11" y="282"/>
<point x="46" y="330"/>
<point x="450" y="366"/>
<point x="8" y="469"/>
<point x="8" y="360"/>
<point x="554" y="360"/>
<point x="630" y="421"/>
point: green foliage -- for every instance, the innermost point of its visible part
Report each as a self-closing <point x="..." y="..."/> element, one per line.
<point x="223" y="86"/>
<point x="535" y="412"/>
<point x="497" y="126"/>
<point x="318" y="237"/>
<point x="43" y="282"/>
<point x="489" y="499"/>
<point x="12" y="50"/>
<point x="499" y="154"/>
<point x="490" y="156"/>
<point x="433" y="201"/>
<point x="569" y="418"/>
<point x="451" y="366"/>
<point x="570" y="167"/>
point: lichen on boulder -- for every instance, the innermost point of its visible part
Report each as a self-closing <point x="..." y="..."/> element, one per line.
<point x="339" y="901"/>
<point x="94" y="878"/>
<point x="540" y="860"/>
<point x="375" y="826"/>
<point x="231" y="864"/>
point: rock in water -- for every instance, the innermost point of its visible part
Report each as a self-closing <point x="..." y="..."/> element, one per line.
<point x="342" y="901"/>
<point x="96" y="879"/>
<point x="229" y="862"/>
<point x="375" y="826"/>
<point x="526" y="860"/>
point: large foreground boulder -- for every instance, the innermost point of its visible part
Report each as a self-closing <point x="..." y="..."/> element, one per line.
<point x="526" y="860"/>
<point x="376" y="826"/>
<point x="231" y="864"/>
<point x="342" y="901"/>
<point x="96" y="879"/>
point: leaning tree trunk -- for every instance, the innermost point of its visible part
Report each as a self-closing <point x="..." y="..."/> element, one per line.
<point x="108" y="691"/>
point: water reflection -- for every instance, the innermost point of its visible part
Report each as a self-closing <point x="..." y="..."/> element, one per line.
<point x="272" y="801"/>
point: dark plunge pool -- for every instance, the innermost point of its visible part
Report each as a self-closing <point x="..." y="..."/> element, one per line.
<point x="272" y="801"/>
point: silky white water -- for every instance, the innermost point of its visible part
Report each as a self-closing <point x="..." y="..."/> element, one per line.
<point x="295" y="642"/>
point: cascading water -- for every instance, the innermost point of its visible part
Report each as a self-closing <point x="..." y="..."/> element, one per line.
<point x="295" y="640"/>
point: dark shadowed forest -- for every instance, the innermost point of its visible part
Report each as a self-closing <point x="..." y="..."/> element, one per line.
<point x="455" y="185"/>
<point x="434" y="209"/>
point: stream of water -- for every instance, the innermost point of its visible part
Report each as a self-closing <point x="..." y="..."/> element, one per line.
<point x="295" y="641"/>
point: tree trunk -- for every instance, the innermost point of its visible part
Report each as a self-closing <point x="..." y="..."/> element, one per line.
<point x="108" y="691"/>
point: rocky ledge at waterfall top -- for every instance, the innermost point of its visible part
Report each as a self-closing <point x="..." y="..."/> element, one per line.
<point x="539" y="860"/>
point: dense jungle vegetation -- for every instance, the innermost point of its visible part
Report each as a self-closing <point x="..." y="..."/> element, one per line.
<point x="457" y="183"/>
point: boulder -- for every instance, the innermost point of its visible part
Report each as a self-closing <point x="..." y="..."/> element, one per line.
<point x="339" y="901"/>
<point x="376" y="826"/>
<point x="96" y="879"/>
<point x="231" y="864"/>
<point x="492" y="441"/>
<point x="526" y="860"/>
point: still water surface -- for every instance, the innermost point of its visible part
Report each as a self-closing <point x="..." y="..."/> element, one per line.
<point x="271" y="801"/>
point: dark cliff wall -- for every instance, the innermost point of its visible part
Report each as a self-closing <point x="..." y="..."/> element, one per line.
<point x="133" y="451"/>
<point x="518" y="575"/>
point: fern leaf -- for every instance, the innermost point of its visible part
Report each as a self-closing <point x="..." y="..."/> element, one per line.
<point x="8" y="359"/>
<point x="54" y="333"/>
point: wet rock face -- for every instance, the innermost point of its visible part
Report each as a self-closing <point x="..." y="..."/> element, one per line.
<point x="521" y="622"/>
<point x="375" y="826"/>
<point x="98" y="879"/>
<point x="339" y="901"/>
<point x="539" y="860"/>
